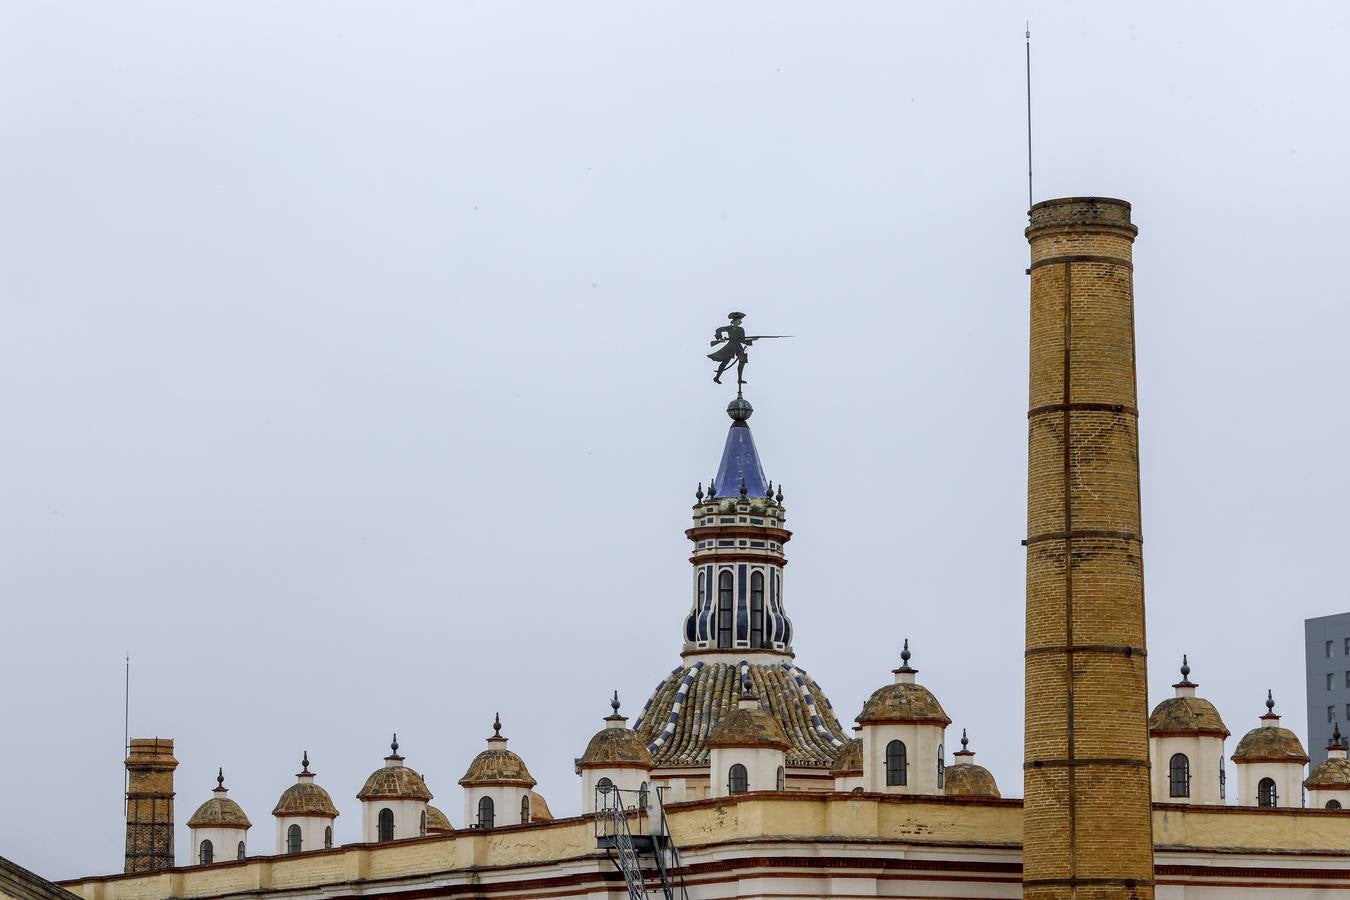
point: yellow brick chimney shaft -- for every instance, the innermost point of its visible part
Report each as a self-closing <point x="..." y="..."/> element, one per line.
<point x="1088" y="827"/>
<point x="150" y="766"/>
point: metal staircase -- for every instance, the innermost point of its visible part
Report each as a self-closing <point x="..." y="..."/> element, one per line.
<point x="647" y="837"/>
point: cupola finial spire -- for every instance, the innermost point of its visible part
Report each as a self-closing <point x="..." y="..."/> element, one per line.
<point x="1270" y="703"/>
<point x="614" y="703"/>
<point x="965" y="741"/>
<point x="1185" y="668"/>
<point x="497" y="725"/>
<point x="393" y="745"/>
<point x="220" y="778"/>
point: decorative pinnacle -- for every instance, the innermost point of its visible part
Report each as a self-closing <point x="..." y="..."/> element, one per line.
<point x="304" y="765"/>
<point x="744" y="490"/>
<point x="393" y="745"/>
<point x="905" y="655"/>
<point x="964" y="741"/>
<point x="1185" y="668"/>
<point x="698" y="495"/>
<point x="768" y="491"/>
<point x="779" y="496"/>
<point x="220" y="779"/>
<point x="1336" y="735"/>
<point x="712" y="488"/>
<point x="496" y="724"/>
<point x="1270" y="703"/>
<point x="614" y="703"/>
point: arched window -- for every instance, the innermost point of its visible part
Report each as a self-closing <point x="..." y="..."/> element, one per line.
<point x="207" y="853"/>
<point x="293" y="839"/>
<point x="738" y="780"/>
<point x="780" y="784"/>
<point x="757" y="610"/>
<point x="1333" y="804"/>
<point x="1266" y="794"/>
<point x="485" y="812"/>
<point x="422" y="825"/>
<point x="942" y="766"/>
<point x="858" y="789"/>
<point x="386" y="825"/>
<point x="1223" y="779"/>
<point x="327" y="838"/>
<point x="642" y="796"/>
<point x="604" y="786"/>
<point x="525" y="810"/>
<point x="724" y="608"/>
<point x="896" y="763"/>
<point x="241" y="850"/>
<point x="1179" y="776"/>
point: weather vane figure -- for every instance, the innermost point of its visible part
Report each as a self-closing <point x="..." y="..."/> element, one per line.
<point x="735" y="346"/>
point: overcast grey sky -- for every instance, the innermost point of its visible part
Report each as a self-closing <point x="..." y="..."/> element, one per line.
<point x="352" y="376"/>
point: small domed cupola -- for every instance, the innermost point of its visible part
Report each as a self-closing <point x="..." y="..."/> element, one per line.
<point x="219" y="828"/>
<point x="497" y="785"/>
<point x="1328" y="783"/>
<point x="747" y="749"/>
<point x="1270" y="762"/>
<point x="1186" y="738"/>
<point x="903" y="729"/>
<point x="965" y="779"/>
<point x="304" y="814"/>
<point x="393" y="801"/>
<point x="437" y="822"/>
<point x="616" y="757"/>
<point x="848" y="766"/>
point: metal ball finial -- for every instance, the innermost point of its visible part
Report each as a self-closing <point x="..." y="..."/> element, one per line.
<point x="1270" y="702"/>
<point x="220" y="778"/>
<point x="1185" y="668"/>
<point x="698" y="494"/>
<point x="744" y="489"/>
<point x="740" y="409"/>
<point x="905" y="654"/>
<point x="393" y="745"/>
<point x="965" y="741"/>
<point x="779" y="495"/>
<point x="712" y="488"/>
<point x="1336" y="733"/>
<point x="304" y="764"/>
<point x="614" y="703"/>
<point x="496" y="724"/>
<point x="768" y="491"/>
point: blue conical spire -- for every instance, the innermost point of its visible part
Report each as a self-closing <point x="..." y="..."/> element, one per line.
<point x="740" y="472"/>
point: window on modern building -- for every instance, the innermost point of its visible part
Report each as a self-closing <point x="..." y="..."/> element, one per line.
<point x="328" y="838"/>
<point x="486" y="813"/>
<point x="942" y="765"/>
<point x="724" y="608"/>
<point x="1331" y="680"/>
<point x="738" y="780"/>
<point x="422" y="824"/>
<point x="757" y="609"/>
<point x="1265" y="792"/>
<point x="1223" y="779"/>
<point x="386" y="825"/>
<point x="1347" y="678"/>
<point x="1328" y="649"/>
<point x="1333" y="804"/>
<point x="780" y="783"/>
<point x="293" y="839"/>
<point x="896" y="763"/>
<point x="206" y="853"/>
<point x="1179" y="776"/>
<point x="525" y="810"/>
<point x="241" y="850"/>
<point x="1347" y="646"/>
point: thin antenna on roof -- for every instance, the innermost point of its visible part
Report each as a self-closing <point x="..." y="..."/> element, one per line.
<point x="126" y="732"/>
<point x="1030" y="196"/>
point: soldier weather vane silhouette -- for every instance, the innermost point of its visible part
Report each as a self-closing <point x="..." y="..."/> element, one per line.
<point x="735" y="348"/>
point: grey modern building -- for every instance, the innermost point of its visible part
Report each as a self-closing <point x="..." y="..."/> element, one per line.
<point x="1326" y="653"/>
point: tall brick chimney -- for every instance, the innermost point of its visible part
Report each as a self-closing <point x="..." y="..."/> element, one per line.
<point x="1088" y="830"/>
<point x="150" y="768"/>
